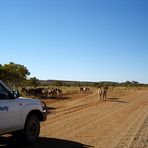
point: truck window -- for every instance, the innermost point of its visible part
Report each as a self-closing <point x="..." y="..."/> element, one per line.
<point x="4" y="93"/>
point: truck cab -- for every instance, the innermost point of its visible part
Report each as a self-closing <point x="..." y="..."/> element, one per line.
<point x="20" y="116"/>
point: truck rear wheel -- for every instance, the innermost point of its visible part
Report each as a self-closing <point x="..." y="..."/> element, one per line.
<point x="32" y="129"/>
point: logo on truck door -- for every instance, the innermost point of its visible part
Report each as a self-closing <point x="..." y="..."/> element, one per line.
<point x="4" y="108"/>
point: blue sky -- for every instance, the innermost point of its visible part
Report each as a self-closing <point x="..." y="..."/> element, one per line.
<point x="84" y="40"/>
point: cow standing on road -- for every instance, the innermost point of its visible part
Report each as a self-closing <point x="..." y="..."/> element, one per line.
<point x="105" y="93"/>
<point x="100" y="92"/>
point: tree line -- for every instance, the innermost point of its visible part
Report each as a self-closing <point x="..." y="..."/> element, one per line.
<point x="16" y="75"/>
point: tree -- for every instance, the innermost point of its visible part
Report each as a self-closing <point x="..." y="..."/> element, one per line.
<point x="33" y="81"/>
<point x="13" y="74"/>
<point x="1" y="72"/>
<point x="128" y="83"/>
<point x="135" y="82"/>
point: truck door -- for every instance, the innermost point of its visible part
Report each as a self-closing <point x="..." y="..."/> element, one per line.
<point x="9" y="110"/>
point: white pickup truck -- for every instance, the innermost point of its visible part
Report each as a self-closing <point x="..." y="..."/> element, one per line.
<point x="20" y="116"/>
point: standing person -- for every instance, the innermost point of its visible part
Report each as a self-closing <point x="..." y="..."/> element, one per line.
<point x="100" y="92"/>
<point x="105" y="93"/>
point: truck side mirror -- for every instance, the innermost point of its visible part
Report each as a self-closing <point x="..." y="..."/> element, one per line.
<point x="16" y="94"/>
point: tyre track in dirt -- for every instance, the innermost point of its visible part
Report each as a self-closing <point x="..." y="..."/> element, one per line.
<point x="129" y="135"/>
<point x="81" y="121"/>
<point x="110" y="126"/>
<point x="83" y="108"/>
<point x="141" y="137"/>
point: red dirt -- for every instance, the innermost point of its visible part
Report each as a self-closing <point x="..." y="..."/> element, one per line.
<point x="82" y="121"/>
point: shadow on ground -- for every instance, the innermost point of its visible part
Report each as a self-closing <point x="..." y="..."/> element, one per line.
<point x="9" y="142"/>
<point x="116" y="100"/>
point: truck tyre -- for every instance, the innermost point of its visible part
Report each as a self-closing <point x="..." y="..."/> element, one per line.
<point x="32" y="129"/>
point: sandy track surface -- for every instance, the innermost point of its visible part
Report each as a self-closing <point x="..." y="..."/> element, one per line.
<point x="87" y="122"/>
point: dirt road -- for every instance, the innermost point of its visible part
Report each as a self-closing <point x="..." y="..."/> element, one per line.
<point x="120" y="122"/>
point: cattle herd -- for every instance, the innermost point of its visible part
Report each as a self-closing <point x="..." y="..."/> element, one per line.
<point x="48" y="92"/>
<point x="42" y="92"/>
